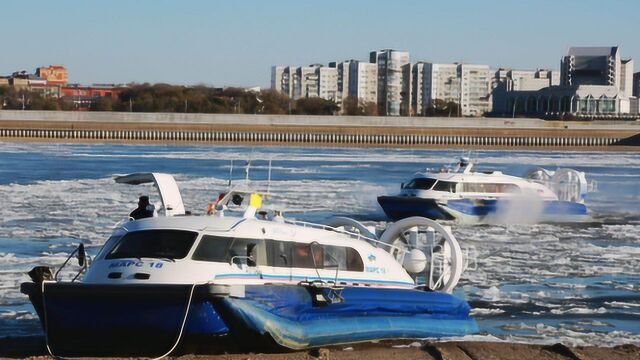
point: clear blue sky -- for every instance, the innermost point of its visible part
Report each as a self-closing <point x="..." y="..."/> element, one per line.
<point x="235" y="42"/>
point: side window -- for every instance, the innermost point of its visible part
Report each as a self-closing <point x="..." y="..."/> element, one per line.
<point x="491" y="188"/>
<point x="279" y="253"/>
<point x="345" y="258"/>
<point x="239" y="251"/>
<point x="310" y="256"/>
<point x="335" y="257"/>
<point x="212" y="248"/>
<point x="447" y="186"/>
<point x="354" y="261"/>
<point x="307" y="256"/>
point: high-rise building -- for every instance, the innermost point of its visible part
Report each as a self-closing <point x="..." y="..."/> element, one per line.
<point x="342" y="69"/>
<point x="328" y="83"/>
<point x="626" y="77"/>
<point x="467" y="85"/>
<point x="356" y="79"/>
<point x="306" y="82"/>
<point x="394" y="81"/>
<point x="636" y="84"/>
<point x="417" y="87"/>
<point x="282" y="78"/>
<point x="475" y="96"/>
<point x="601" y="66"/>
<point x="595" y="83"/>
<point x="363" y="81"/>
<point x="440" y="82"/>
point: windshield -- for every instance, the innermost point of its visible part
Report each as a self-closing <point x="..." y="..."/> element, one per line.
<point x="168" y="244"/>
<point x="420" y="183"/>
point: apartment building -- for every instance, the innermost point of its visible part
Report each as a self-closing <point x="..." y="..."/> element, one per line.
<point x="394" y="81"/>
<point x="327" y="83"/>
<point x="440" y="82"/>
<point x="282" y="79"/>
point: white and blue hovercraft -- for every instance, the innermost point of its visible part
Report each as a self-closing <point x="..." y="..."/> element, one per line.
<point x="466" y="196"/>
<point x="244" y="274"/>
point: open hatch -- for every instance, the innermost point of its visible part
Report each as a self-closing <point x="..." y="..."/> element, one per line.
<point x="167" y="189"/>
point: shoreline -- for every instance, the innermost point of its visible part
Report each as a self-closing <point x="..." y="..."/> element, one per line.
<point x="33" y="347"/>
<point x="611" y="148"/>
<point x="320" y="131"/>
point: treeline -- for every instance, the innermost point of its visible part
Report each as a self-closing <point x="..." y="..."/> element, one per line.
<point x="202" y="99"/>
<point x="186" y="99"/>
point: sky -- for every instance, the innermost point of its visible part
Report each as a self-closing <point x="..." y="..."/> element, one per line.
<point x="235" y="42"/>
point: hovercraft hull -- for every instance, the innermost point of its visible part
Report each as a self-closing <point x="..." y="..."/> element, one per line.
<point x="111" y="320"/>
<point x="504" y="210"/>
<point x="107" y="320"/>
<point x="401" y="207"/>
<point x="483" y="210"/>
<point x="294" y="318"/>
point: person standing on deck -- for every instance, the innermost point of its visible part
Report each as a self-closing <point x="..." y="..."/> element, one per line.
<point x="142" y="211"/>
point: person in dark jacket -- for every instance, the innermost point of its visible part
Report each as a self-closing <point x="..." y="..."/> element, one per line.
<point x="142" y="211"/>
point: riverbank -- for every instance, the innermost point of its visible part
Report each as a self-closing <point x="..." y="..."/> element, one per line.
<point x="496" y="133"/>
<point x="34" y="348"/>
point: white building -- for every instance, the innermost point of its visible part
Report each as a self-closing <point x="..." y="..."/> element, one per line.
<point x="601" y="66"/>
<point x="342" y="69"/>
<point x="417" y="88"/>
<point x="626" y="77"/>
<point x="507" y="80"/>
<point x="306" y="83"/>
<point x="394" y="81"/>
<point x="475" y="96"/>
<point x="363" y="81"/>
<point x="328" y="83"/>
<point x="467" y="85"/>
<point x="441" y="82"/>
<point x="356" y="79"/>
<point x="595" y="84"/>
<point x="282" y="79"/>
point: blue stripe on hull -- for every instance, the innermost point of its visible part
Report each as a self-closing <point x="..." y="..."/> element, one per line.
<point x="400" y="207"/>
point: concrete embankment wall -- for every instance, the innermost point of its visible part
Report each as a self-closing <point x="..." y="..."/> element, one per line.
<point x="315" y="130"/>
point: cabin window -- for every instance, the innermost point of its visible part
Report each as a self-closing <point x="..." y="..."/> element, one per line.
<point x="230" y="250"/>
<point x="212" y="248"/>
<point x="490" y="188"/>
<point x="310" y="256"/>
<point x="344" y="258"/>
<point x="169" y="244"/>
<point x="420" y="184"/>
<point x="279" y="253"/>
<point x="447" y="186"/>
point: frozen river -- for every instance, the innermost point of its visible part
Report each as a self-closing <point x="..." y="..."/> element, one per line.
<point x="579" y="284"/>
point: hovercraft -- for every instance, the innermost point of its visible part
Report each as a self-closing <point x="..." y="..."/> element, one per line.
<point x="466" y="196"/>
<point x="250" y="277"/>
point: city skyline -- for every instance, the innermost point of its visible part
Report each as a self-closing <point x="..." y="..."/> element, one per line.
<point x="235" y="44"/>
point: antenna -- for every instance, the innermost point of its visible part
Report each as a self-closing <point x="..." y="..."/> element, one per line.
<point x="246" y="171"/>
<point x="269" y="179"/>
